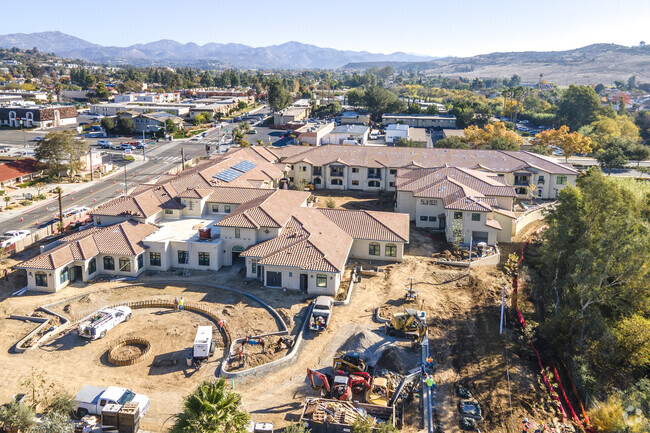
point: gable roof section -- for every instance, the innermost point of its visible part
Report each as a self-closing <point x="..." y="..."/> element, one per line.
<point x="309" y="241"/>
<point x="124" y="238"/>
<point x="370" y="225"/>
<point x="396" y="157"/>
<point x="272" y="210"/>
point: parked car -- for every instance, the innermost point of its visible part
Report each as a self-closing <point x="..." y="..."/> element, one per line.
<point x="104" y="144"/>
<point x="92" y="399"/>
<point x="141" y="145"/>
<point x="36" y="139"/>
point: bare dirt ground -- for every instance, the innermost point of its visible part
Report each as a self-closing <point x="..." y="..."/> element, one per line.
<point x="463" y="316"/>
<point x="366" y="200"/>
<point x="70" y="362"/>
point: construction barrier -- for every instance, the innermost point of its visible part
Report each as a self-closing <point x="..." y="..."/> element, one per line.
<point x="522" y="321"/>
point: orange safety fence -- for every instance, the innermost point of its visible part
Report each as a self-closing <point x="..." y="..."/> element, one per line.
<point x="522" y="321"/>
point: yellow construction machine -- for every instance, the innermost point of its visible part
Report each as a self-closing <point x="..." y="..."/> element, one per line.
<point x="349" y="362"/>
<point x="408" y="324"/>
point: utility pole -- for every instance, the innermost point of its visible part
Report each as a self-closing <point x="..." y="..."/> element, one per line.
<point x="503" y="301"/>
<point x="471" y="241"/>
<point x="90" y="162"/>
<point x="59" y="190"/>
<point x="182" y="159"/>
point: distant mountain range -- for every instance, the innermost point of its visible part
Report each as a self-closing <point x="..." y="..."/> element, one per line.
<point x="597" y="63"/>
<point x="290" y="55"/>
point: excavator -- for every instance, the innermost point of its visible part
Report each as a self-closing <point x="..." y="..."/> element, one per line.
<point x="349" y="362"/>
<point x="409" y="324"/>
<point x="341" y="386"/>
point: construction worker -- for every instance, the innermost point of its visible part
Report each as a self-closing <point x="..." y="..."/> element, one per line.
<point x="428" y="380"/>
<point x="176" y="302"/>
<point x="180" y="304"/>
<point x="526" y="425"/>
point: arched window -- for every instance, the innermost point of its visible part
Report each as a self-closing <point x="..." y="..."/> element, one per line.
<point x="374" y="249"/>
<point x="109" y="263"/>
<point x="391" y="250"/>
<point x="125" y="264"/>
<point x="317" y="181"/>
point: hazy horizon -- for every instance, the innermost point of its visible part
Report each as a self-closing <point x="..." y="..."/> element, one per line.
<point x="375" y="26"/>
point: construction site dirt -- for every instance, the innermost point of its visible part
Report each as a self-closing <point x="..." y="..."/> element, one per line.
<point x="463" y="316"/>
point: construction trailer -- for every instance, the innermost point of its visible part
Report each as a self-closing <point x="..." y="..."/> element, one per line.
<point x="334" y="416"/>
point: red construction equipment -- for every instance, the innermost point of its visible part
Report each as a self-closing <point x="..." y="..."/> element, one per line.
<point x="341" y="386"/>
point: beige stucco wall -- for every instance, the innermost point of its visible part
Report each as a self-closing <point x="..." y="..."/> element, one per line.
<point x="291" y="279"/>
<point x="406" y="204"/>
<point x="361" y="250"/>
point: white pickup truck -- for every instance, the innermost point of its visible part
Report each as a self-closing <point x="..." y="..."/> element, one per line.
<point x="100" y="322"/>
<point x="92" y="399"/>
<point x="321" y="313"/>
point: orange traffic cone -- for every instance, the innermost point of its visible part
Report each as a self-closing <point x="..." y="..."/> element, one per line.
<point x="72" y="198"/>
<point x="21" y="219"/>
<point x="94" y="200"/>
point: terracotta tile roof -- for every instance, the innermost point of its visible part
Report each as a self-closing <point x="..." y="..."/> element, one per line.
<point x="309" y="241"/>
<point x="396" y="157"/>
<point x="236" y="195"/>
<point x="424" y="182"/>
<point x="195" y="193"/>
<point x="459" y="188"/>
<point x="124" y="239"/>
<point x="143" y="204"/>
<point x="371" y="225"/>
<point x="272" y="210"/>
<point x="13" y="169"/>
<point x="494" y="224"/>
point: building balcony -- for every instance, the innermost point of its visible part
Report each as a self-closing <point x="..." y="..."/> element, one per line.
<point x="522" y="182"/>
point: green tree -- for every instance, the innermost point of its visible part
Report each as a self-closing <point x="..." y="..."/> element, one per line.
<point x="61" y="152"/>
<point x="578" y="106"/>
<point x="171" y="126"/>
<point x="407" y="142"/>
<point x="431" y="109"/>
<point x="356" y="97"/>
<point x="212" y="408"/>
<point x="14" y="416"/>
<point x="279" y="97"/>
<point x="241" y="105"/>
<point x="62" y="402"/>
<point x="614" y="154"/>
<point x="638" y="153"/>
<point x="452" y="142"/>
<point x="108" y="123"/>
<point x="379" y="100"/>
<point x="101" y="91"/>
<point x="599" y="88"/>
<point x="125" y="125"/>
<point x="592" y="274"/>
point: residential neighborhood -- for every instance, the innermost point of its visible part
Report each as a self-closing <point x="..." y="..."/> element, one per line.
<point x="315" y="227"/>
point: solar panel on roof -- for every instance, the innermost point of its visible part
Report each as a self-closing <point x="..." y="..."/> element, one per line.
<point x="244" y="166"/>
<point x="228" y="175"/>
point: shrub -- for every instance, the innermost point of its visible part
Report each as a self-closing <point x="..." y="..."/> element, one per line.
<point x="26" y="202"/>
<point x="15" y="416"/>
<point x="330" y="203"/>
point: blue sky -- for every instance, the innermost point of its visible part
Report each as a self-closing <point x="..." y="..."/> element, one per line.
<point x="431" y="27"/>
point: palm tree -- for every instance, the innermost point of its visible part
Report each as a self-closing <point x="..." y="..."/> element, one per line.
<point x="212" y="408"/>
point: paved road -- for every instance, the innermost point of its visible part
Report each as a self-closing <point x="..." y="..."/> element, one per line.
<point x="160" y="158"/>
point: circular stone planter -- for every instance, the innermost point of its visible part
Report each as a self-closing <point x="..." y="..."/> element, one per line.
<point x="121" y="359"/>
